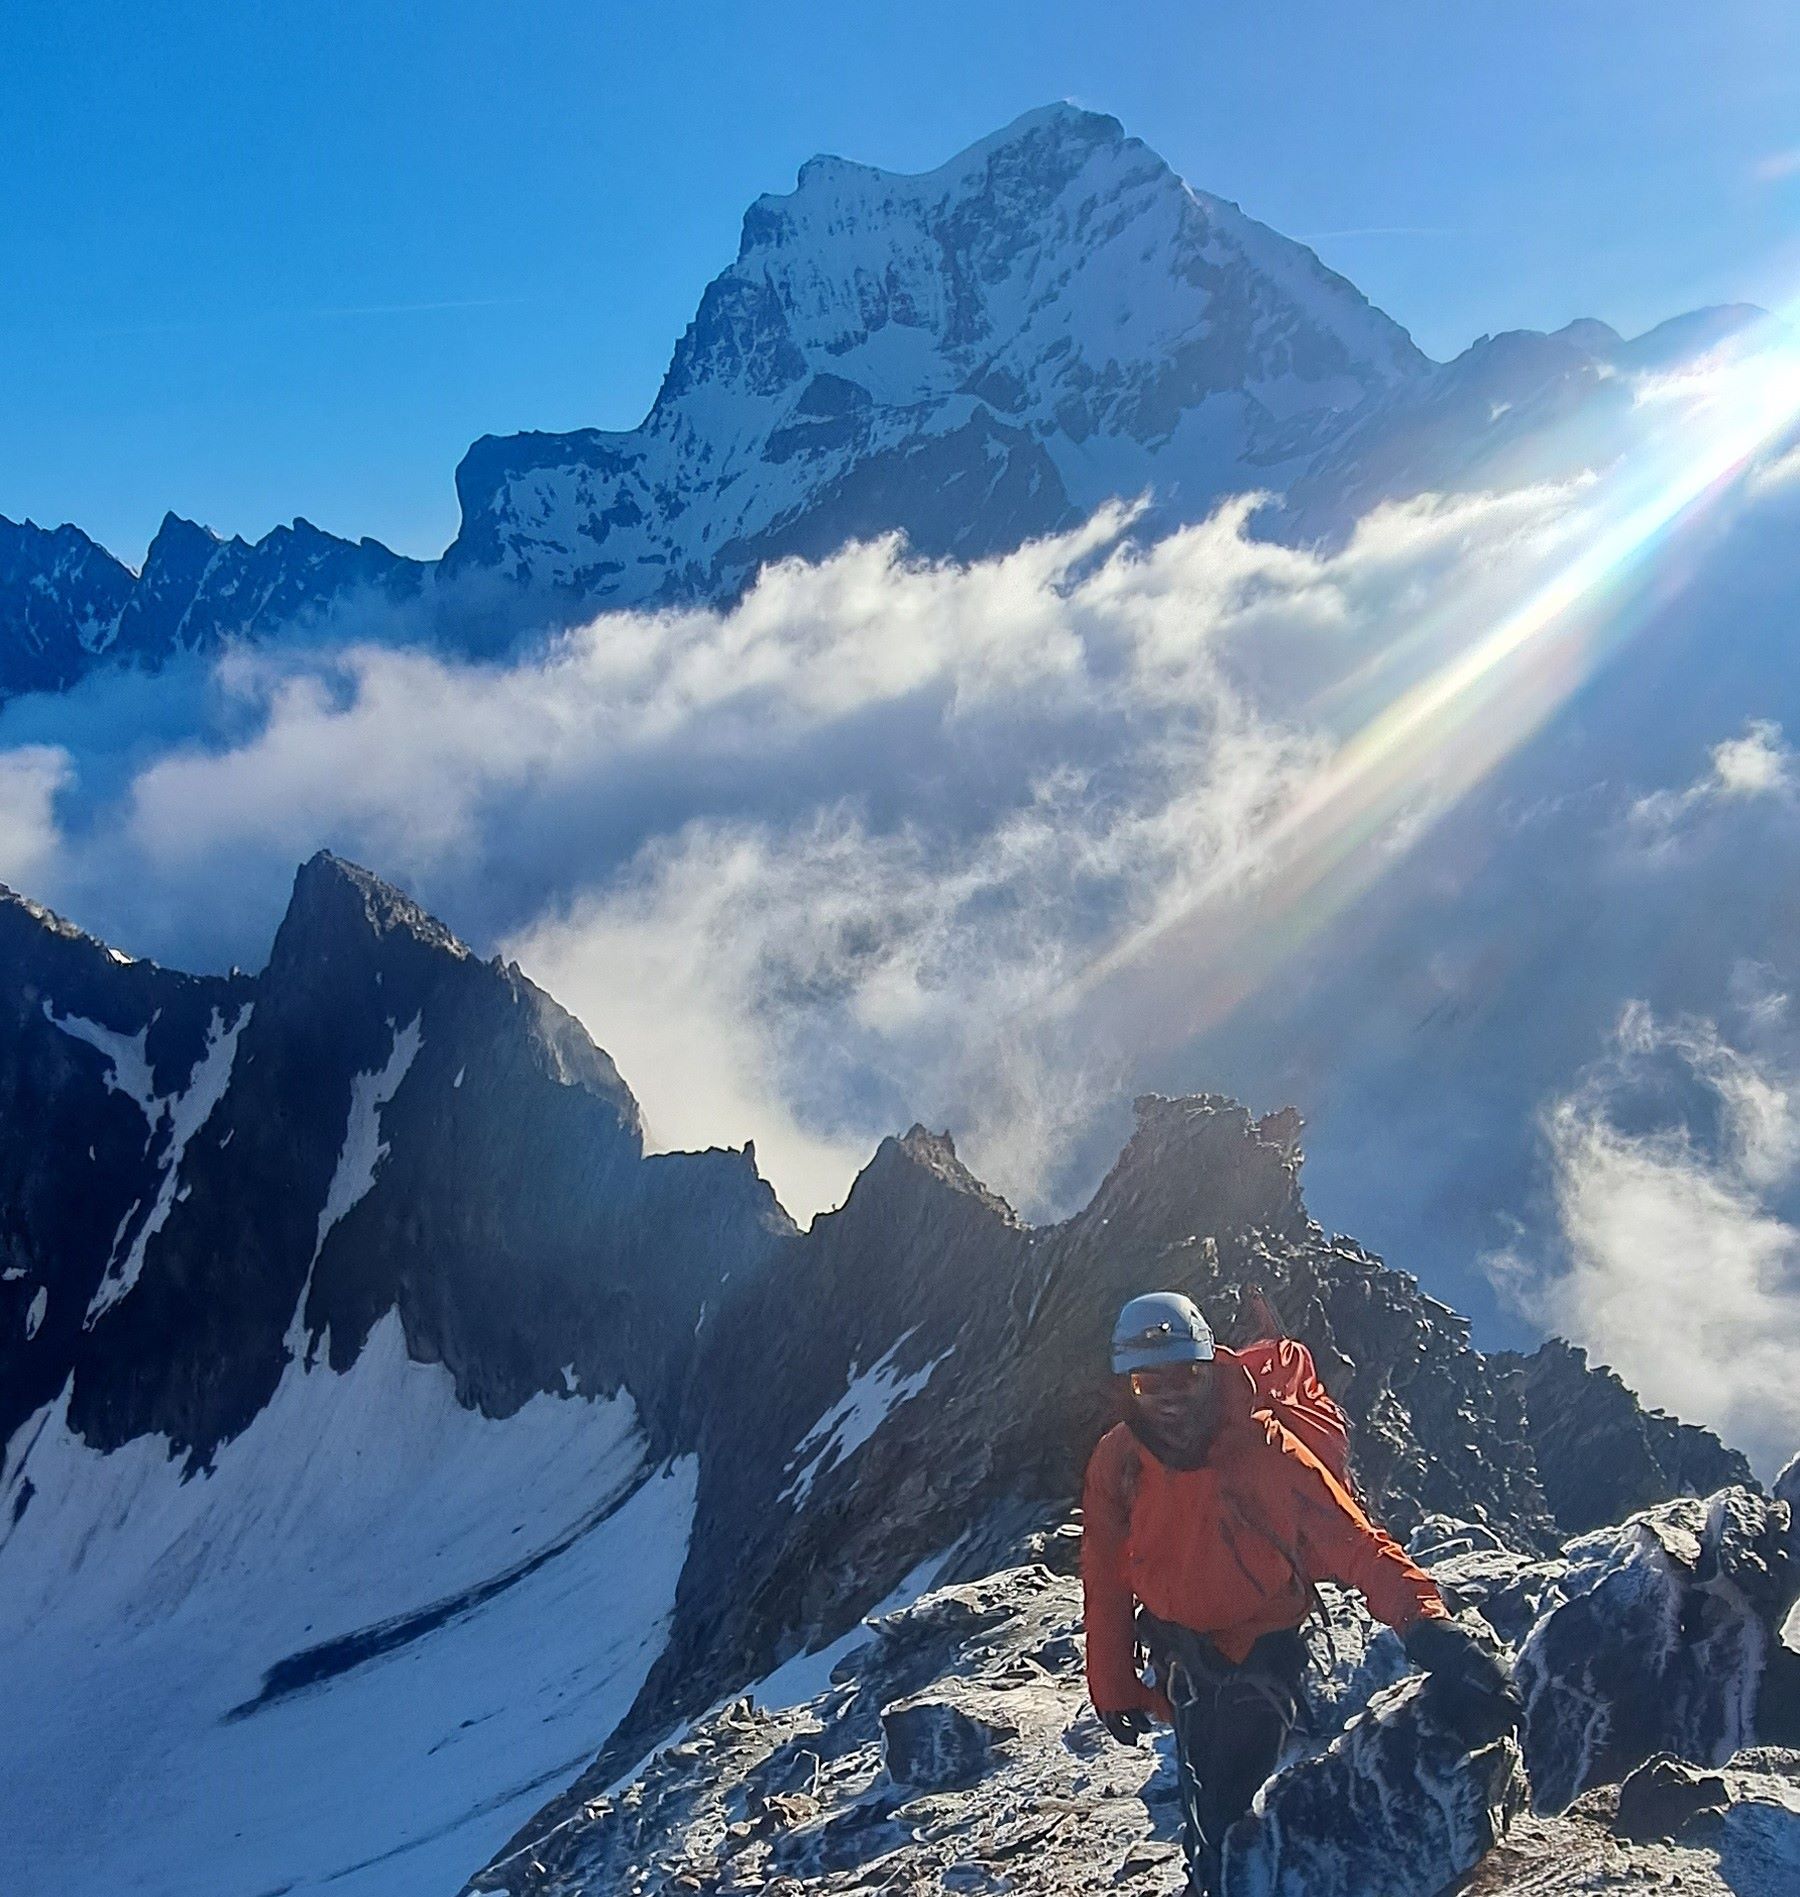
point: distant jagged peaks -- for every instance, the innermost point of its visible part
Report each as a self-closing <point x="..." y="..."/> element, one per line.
<point x="61" y="595"/>
<point x="68" y="605"/>
<point x="969" y="356"/>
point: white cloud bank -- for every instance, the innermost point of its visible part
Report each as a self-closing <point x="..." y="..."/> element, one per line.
<point x="811" y="867"/>
<point x="1668" y="1161"/>
<point x="30" y="777"/>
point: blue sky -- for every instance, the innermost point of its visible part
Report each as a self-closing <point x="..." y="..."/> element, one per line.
<point x="291" y="259"/>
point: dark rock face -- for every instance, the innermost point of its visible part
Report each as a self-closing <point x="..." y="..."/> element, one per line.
<point x="1655" y="1641"/>
<point x="1663" y="1797"/>
<point x="932" y="1744"/>
<point x="1600" y="1454"/>
<point x="1399" y="1803"/>
<point x="76" y="1195"/>
<point x="235" y="1170"/>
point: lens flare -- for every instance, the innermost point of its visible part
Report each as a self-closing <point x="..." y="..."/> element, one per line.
<point x="1502" y="675"/>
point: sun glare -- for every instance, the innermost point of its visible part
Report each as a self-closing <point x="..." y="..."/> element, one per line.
<point x="1503" y="674"/>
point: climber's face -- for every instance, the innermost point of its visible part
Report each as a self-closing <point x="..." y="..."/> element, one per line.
<point x="1176" y="1399"/>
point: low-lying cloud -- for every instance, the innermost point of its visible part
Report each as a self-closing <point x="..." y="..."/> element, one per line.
<point x="30" y="777"/>
<point x="1758" y="763"/>
<point x="850" y="853"/>
<point x="809" y="867"/>
<point x="1668" y="1160"/>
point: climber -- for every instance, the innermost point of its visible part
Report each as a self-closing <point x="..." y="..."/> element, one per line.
<point x="1215" y="1519"/>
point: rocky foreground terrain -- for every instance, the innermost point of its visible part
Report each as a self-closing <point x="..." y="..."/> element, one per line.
<point x="950" y="1747"/>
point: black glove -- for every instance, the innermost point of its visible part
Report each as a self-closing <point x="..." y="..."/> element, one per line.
<point x="1127" y="1727"/>
<point x="1474" y="1683"/>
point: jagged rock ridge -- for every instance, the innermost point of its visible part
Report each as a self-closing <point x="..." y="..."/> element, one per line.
<point x="224" y="1165"/>
<point x="351" y="1240"/>
<point x="1600" y="1455"/>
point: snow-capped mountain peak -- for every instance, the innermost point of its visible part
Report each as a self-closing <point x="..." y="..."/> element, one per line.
<point x="970" y="354"/>
<point x="967" y="356"/>
<point x="1025" y="267"/>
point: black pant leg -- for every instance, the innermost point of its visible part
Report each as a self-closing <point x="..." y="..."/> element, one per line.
<point x="1228" y="1736"/>
<point x="1243" y="1740"/>
<point x="1194" y="1701"/>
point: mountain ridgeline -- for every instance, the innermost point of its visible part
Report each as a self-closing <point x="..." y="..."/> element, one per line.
<point x="969" y="357"/>
<point x="222" y="1194"/>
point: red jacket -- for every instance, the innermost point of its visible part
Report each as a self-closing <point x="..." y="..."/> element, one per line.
<point x="1229" y="1549"/>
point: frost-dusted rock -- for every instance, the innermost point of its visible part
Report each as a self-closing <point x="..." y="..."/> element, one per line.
<point x="940" y="1742"/>
<point x="1759" y="1837"/>
<point x="797" y="1802"/>
<point x="1475" y="1567"/>
<point x="1510" y="1591"/>
<point x="1350" y="1658"/>
<point x="1787" y="1485"/>
<point x="1656" y="1642"/>
<point x="1001" y="1754"/>
<point x="1443" y="1537"/>
<point x="1750" y="1849"/>
<point x="1600" y="1453"/>
<point x="1398" y="1803"/>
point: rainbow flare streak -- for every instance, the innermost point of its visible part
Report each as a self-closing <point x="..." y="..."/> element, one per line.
<point x="1438" y="737"/>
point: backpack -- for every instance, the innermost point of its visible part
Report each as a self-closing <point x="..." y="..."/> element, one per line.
<point x="1288" y="1387"/>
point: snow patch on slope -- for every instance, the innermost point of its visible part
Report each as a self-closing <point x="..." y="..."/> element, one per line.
<point x="807" y="1675"/>
<point x="364" y="1149"/>
<point x="184" y="1112"/>
<point x="855" y="1416"/>
<point x="460" y="1610"/>
<point x="128" y="1071"/>
<point x="361" y="1154"/>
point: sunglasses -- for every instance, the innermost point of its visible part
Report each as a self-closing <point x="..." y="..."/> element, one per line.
<point x="1173" y="1379"/>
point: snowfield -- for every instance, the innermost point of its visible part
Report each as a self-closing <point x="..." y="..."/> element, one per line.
<point x="356" y="1655"/>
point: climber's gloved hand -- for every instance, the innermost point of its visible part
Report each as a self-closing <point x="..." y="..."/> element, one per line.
<point x="1127" y="1727"/>
<point x="1475" y="1684"/>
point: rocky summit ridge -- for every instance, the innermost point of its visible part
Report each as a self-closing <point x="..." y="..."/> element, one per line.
<point x="948" y="1746"/>
<point x="343" y="1305"/>
<point x="968" y="356"/>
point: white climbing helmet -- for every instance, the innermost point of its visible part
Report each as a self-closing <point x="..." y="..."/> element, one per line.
<point x="1159" y="1328"/>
